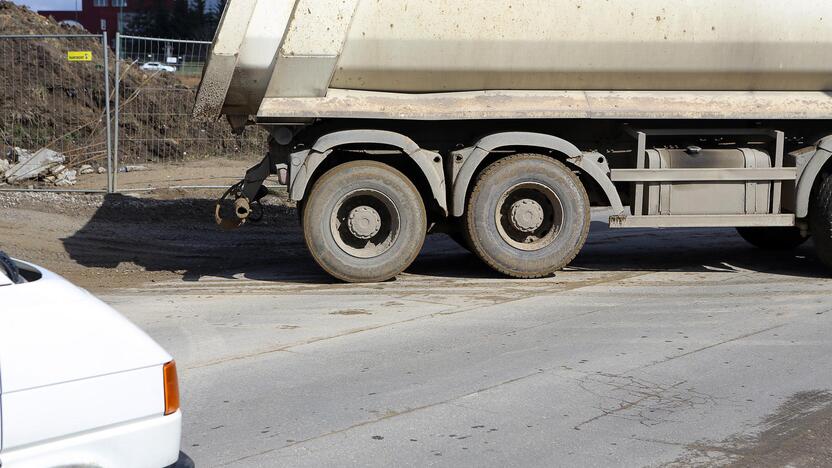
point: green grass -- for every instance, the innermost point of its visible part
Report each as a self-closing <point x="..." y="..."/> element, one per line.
<point x="190" y="69"/>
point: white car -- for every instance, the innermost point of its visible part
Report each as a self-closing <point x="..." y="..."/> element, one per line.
<point x="156" y="66"/>
<point x="79" y="384"/>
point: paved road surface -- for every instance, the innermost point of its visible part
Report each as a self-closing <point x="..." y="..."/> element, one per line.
<point x="656" y="348"/>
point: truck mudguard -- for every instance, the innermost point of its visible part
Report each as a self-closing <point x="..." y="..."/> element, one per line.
<point x="304" y="163"/>
<point x="809" y="175"/>
<point x="588" y="162"/>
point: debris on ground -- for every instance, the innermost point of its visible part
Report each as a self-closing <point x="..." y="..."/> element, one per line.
<point x="133" y="168"/>
<point x="44" y="165"/>
<point x="33" y="165"/>
<point x="66" y="177"/>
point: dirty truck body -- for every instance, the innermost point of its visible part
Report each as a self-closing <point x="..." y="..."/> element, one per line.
<point x="503" y="122"/>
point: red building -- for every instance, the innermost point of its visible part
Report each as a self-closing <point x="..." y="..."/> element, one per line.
<point x="97" y="16"/>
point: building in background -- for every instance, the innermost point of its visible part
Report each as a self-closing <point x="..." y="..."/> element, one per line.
<point x="114" y="16"/>
<point x="97" y="16"/>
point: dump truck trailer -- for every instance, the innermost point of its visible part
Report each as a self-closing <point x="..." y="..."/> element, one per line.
<point x="502" y="122"/>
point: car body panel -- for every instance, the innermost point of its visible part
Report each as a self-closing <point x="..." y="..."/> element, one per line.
<point x="78" y="336"/>
<point x="156" y="66"/>
<point x="52" y="411"/>
<point x="79" y="383"/>
<point x="123" y="446"/>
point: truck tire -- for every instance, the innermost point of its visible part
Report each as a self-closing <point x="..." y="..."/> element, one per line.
<point x="364" y="221"/>
<point x="820" y="220"/>
<point x="527" y="216"/>
<point x="772" y="238"/>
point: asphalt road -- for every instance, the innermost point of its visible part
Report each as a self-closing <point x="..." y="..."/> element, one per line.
<point x="656" y="348"/>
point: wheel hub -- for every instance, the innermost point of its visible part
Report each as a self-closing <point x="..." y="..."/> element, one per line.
<point x="526" y="215"/>
<point x="529" y="216"/>
<point x="364" y="222"/>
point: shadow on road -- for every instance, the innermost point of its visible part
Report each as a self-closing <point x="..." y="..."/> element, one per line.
<point x="689" y="250"/>
<point x="179" y="235"/>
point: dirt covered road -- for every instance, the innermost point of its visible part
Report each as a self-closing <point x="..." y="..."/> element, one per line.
<point x="110" y="241"/>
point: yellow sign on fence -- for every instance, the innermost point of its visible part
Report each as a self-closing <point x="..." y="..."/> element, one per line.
<point x="79" y="56"/>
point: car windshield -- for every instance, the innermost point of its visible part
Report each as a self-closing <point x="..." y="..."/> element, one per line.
<point x="15" y="272"/>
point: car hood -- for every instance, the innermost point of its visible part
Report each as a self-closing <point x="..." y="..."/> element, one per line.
<point x="52" y="331"/>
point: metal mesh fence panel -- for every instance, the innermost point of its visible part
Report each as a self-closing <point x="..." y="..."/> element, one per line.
<point x="157" y="135"/>
<point x="53" y="112"/>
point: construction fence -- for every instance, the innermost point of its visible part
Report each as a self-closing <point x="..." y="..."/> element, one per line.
<point x="79" y="114"/>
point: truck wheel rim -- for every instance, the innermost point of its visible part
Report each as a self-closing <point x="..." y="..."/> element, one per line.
<point x="529" y="216"/>
<point x="365" y="223"/>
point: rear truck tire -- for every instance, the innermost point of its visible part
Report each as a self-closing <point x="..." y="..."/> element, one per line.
<point x="364" y="221"/>
<point x="820" y="220"/>
<point x="527" y="216"/>
<point x="773" y="238"/>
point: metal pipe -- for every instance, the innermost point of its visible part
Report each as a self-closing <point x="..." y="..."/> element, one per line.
<point x="18" y="190"/>
<point x="107" y="113"/>
<point x="114" y="174"/>
<point x="161" y="39"/>
<point x="187" y="187"/>
<point x="47" y="36"/>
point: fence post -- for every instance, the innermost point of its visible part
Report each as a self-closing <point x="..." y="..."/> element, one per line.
<point x="107" y="112"/>
<point x="118" y="109"/>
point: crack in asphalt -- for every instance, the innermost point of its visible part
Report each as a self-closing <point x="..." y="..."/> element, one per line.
<point x="650" y="400"/>
<point x="705" y="348"/>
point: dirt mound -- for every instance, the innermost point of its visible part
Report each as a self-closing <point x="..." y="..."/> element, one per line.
<point x="16" y="19"/>
<point x="47" y="100"/>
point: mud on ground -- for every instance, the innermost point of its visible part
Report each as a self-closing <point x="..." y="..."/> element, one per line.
<point x="111" y="241"/>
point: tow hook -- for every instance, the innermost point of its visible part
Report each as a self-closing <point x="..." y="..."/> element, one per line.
<point x="242" y="208"/>
<point x="247" y="194"/>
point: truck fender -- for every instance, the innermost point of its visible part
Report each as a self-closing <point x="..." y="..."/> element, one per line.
<point x="306" y="162"/>
<point x="809" y="174"/>
<point x="588" y="162"/>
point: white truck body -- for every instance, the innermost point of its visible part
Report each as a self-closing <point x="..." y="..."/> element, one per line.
<point x="674" y="113"/>
<point x="268" y="52"/>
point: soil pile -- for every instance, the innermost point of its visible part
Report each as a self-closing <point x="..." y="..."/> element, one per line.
<point x="49" y="100"/>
